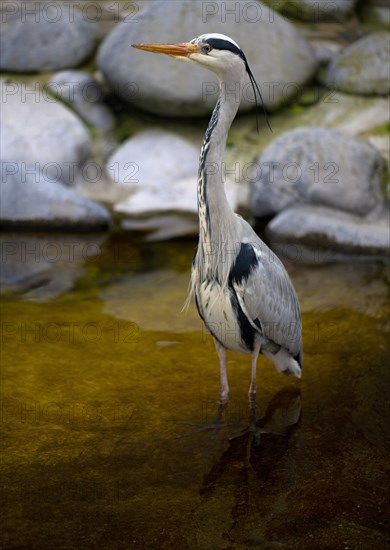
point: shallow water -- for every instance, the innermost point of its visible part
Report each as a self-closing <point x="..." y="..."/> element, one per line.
<point x="108" y="391"/>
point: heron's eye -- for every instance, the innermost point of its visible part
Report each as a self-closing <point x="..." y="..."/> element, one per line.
<point x="206" y="48"/>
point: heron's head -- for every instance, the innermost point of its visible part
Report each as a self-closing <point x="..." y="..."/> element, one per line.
<point x="215" y="52"/>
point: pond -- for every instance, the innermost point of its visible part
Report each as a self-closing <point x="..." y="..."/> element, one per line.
<point x="109" y="402"/>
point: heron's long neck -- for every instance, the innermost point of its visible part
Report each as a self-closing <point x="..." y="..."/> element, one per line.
<point x="217" y="220"/>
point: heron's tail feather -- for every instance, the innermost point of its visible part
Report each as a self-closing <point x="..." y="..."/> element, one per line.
<point x="284" y="363"/>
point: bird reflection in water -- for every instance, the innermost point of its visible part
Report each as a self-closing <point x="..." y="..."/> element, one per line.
<point x="264" y="443"/>
<point x="239" y="490"/>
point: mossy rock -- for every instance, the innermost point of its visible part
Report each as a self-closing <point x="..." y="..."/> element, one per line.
<point x="363" y="67"/>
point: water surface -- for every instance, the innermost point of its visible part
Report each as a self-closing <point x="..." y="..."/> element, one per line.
<point x="109" y="391"/>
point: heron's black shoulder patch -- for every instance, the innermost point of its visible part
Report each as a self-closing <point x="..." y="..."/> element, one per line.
<point x="220" y="44"/>
<point x="247" y="332"/>
<point x="245" y="262"/>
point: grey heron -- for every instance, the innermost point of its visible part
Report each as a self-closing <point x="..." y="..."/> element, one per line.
<point x="242" y="290"/>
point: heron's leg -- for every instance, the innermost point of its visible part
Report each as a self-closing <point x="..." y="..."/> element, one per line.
<point x="252" y="387"/>
<point x="224" y="385"/>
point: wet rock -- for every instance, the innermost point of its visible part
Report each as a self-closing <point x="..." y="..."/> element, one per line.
<point x="39" y="37"/>
<point x="363" y="67"/>
<point x="162" y="228"/>
<point x="315" y="10"/>
<point x="84" y="95"/>
<point x="43" y="267"/>
<point x="37" y="129"/>
<point x="161" y="170"/>
<point x="317" y="166"/>
<point x="30" y="200"/>
<point x="322" y="227"/>
<point x="141" y="292"/>
<point x="162" y="86"/>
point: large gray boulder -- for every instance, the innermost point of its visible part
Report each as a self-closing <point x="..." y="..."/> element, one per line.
<point x="315" y="10"/>
<point x="84" y="95"/>
<point x="30" y="200"/>
<point x="317" y="166"/>
<point x="320" y="227"/>
<point x="39" y="130"/>
<point x="165" y="87"/>
<point x="39" y="37"/>
<point x="362" y="67"/>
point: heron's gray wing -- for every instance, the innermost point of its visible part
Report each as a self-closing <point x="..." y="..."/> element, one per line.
<point x="268" y="296"/>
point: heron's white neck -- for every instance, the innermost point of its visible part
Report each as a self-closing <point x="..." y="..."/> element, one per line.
<point x="217" y="221"/>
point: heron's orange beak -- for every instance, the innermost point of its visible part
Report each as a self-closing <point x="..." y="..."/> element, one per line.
<point x="177" y="50"/>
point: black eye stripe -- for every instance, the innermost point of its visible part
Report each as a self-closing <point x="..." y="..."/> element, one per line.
<point x="220" y="44"/>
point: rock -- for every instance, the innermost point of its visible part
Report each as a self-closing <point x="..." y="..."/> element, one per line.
<point x="36" y="129"/>
<point x="43" y="267"/>
<point x="354" y="115"/>
<point x="84" y="95"/>
<point x="138" y="294"/>
<point x="30" y="200"/>
<point x="315" y="10"/>
<point x="162" y="86"/>
<point x="39" y="37"/>
<point x="362" y="67"/>
<point x="375" y="13"/>
<point x="163" y="228"/>
<point x="153" y="158"/>
<point x="317" y="166"/>
<point x="325" y="50"/>
<point x="161" y="168"/>
<point x="322" y="227"/>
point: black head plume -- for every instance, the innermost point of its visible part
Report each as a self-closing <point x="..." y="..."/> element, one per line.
<point x="256" y="90"/>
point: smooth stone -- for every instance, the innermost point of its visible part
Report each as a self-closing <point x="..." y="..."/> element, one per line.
<point x="38" y="37"/>
<point x="29" y="200"/>
<point x="159" y="85"/>
<point x="315" y="10"/>
<point x="317" y="166"/>
<point x="163" y="228"/>
<point x="179" y="196"/>
<point x="152" y="158"/>
<point x="84" y="95"/>
<point x="155" y="165"/>
<point x="322" y="227"/>
<point x="362" y="67"/>
<point x="40" y="131"/>
<point x="160" y="168"/>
